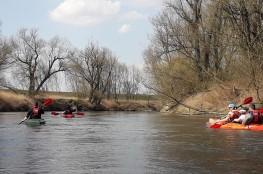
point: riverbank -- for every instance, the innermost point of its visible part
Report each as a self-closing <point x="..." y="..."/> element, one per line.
<point x="14" y="102"/>
<point x="212" y="101"/>
<point x="215" y="100"/>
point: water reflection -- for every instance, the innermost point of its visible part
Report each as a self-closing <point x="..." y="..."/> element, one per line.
<point x="119" y="142"/>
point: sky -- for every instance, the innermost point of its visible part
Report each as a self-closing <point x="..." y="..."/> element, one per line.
<point x="123" y="26"/>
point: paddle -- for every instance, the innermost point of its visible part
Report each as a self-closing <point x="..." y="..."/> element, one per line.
<point x="246" y="101"/>
<point x="216" y="125"/>
<point x="22" y="120"/>
<point x="46" y="102"/>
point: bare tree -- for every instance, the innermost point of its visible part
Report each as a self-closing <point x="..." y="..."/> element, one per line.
<point x="36" y="60"/>
<point x="5" y="62"/>
<point x="118" y="79"/>
<point x="179" y="30"/>
<point x="189" y="48"/>
<point x="95" y="65"/>
<point x="5" y="51"/>
<point x="246" y="22"/>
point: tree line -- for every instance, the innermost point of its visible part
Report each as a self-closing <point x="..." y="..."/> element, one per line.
<point x="199" y="43"/>
<point x="37" y="64"/>
<point x="195" y="44"/>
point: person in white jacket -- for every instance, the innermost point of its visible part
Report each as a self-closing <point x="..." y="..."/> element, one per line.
<point x="245" y="118"/>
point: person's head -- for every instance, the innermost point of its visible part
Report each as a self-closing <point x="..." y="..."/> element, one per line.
<point x="231" y="106"/>
<point x="36" y="104"/>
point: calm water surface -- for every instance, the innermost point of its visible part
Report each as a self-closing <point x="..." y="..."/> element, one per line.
<point x="123" y="142"/>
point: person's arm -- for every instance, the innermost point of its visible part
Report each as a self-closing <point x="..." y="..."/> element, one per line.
<point x="29" y="113"/>
<point x="224" y="120"/>
<point x="42" y="110"/>
<point x="237" y="120"/>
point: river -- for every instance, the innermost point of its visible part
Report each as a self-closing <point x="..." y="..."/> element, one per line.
<point x="126" y="143"/>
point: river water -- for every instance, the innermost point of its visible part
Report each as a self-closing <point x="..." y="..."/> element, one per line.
<point x="126" y="142"/>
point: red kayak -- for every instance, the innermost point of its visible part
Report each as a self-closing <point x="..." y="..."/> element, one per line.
<point x="75" y="114"/>
<point x="68" y="115"/>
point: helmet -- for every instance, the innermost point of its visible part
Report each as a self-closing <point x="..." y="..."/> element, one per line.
<point x="231" y="105"/>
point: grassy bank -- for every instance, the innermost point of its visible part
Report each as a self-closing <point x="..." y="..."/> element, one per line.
<point x="217" y="98"/>
<point x="10" y="101"/>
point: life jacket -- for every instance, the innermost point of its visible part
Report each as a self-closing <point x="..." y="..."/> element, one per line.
<point x="35" y="111"/>
<point x="233" y="115"/>
<point x="257" y="117"/>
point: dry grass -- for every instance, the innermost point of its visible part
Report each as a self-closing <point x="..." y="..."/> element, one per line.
<point x="13" y="102"/>
<point x="109" y="104"/>
<point x="10" y="101"/>
<point x="13" y="98"/>
<point x="217" y="98"/>
<point x="131" y="105"/>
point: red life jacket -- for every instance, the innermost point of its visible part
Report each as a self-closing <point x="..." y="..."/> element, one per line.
<point x="257" y="117"/>
<point x="233" y="115"/>
<point x="236" y="114"/>
<point x="35" y="111"/>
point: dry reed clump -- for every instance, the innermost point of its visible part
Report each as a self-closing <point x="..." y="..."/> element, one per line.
<point x="15" y="102"/>
<point x="108" y="104"/>
<point x="131" y="105"/>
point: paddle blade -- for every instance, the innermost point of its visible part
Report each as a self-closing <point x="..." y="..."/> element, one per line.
<point x="247" y="100"/>
<point x="22" y="120"/>
<point x="215" y="126"/>
<point x="48" y="101"/>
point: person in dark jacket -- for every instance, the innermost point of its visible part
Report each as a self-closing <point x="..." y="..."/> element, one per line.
<point x="69" y="110"/>
<point x="35" y="112"/>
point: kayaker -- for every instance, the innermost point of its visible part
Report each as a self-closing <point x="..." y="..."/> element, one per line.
<point x="69" y="110"/>
<point x="257" y="117"/>
<point x="245" y="117"/>
<point x="35" y="112"/>
<point x="232" y="114"/>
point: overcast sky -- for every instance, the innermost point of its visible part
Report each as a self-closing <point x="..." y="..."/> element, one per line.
<point x="121" y="25"/>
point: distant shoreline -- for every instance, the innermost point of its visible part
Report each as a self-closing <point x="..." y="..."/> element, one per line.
<point x="11" y="102"/>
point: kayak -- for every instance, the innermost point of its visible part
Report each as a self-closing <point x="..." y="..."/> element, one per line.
<point x="75" y="114"/>
<point x="68" y="115"/>
<point x="237" y="126"/>
<point x="256" y="127"/>
<point x="35" y="122"/>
